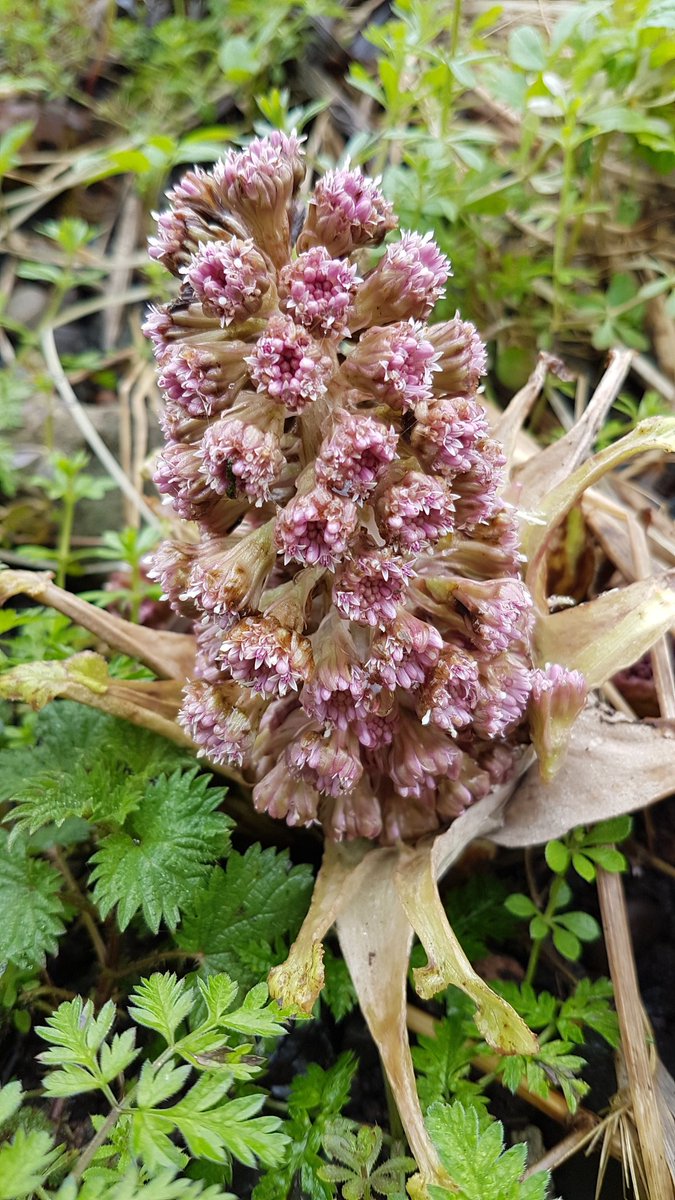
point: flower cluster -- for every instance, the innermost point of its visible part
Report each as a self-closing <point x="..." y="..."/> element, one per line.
<point x="342" y="548"/>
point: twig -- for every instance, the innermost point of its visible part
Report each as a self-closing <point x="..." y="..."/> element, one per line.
<point x="633" y="1034"/>
<point x="90" y="434"/>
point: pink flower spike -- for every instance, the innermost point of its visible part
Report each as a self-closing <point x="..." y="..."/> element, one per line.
<point x="330" y="763"/>
<point x="241" y="455"/>
<point x="208" y="661"/>
<point x="415" y="513"/>
<point x="356" y="815"/>
<point x="268" y="658"/>
<point x="447" y="431"/>
<point x="505" y="685"/>
<point x="317" y="290"/>
<point x="172" y="243"/>
<point x="170" y="565"/>
<point x="404" y="654"/>
<point x="450" y="693"/>
<point x="219" y="720"/>
<point x="259" y="183"/>
<point x="177" y="476"/>
<point x="338" y="691"/>
<point x="281" y="796"/>
<point x="230" y="279"/>
<point x="419" y="757"/>
<point x="409" y="279"/>
<point x="557" y="697"/>
<point x="462" y="357"/>
<point x="315" y="528"/>
<point x="199" y="381"/>
<point x="395" y="363"/>
<point x="229" y="574"/>
<point x="500" y="612"/>
<point x="370" y="586"/>
<point x="289" y="365"/>
<point x="347" y="210"/>
<point x="356" y="455"/>
<point x="476" y="490"/>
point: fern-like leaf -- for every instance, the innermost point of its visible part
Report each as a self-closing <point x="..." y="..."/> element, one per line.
<point x="471" y="1148"/>
<point x="161" y="1003"/>
<point x="25" y="1163"/>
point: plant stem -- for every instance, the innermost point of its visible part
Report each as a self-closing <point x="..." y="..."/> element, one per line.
<point x="135" y="589"/>
<point x="65" y="533"/>
<point x="559" y="248"/>
<point x="539" y="942"/>
<point x="97" y="1140"/>
<point x="395" y="1124"/>
<point x="454" y="29"/>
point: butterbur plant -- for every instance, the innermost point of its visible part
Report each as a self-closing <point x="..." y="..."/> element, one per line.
<point x="364" y="571"/>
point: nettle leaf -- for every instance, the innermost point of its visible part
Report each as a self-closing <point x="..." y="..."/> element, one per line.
<point x="32" y="909"/>
<point x="258" y="901"/>
<point x="471" y="1148"/>
<point x="25" y="1163"/>
<point x="84" y="764"/>
<point x="155" y="864"/>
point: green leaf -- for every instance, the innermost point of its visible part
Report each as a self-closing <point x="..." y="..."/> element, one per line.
<point x="615" y="830"/>
<point x="32" y="910"/>
<point x="10" y="1100"/>
<point x="590" y="1004"/>
<point x="557" y="857"/>
<point x="133" y="1185"/>
<point x="584" y="867"/>
<point x="537" y="1009"/>
<point x="471" y="1148"/>
<point x="566" y="943"/>
<point x="78" y="1047"/>
<point x="25" y="1163"/>
<point x="161" y="1003"/>
<point x="539" y="928"/>
<point x="83" y="761"/>
<point x="520" y="905"/>
<point x="161" y="857"/>
<point x="582" y="924"/>
<point x="317" y="1097"/>
<point x="243" y="919"/>
<point x="608" y="858"/>
<point x="338" y="992"/>
<point x="478" y="915"/>
<point x="442" y="1064"/>
<point x="527" y="49"/>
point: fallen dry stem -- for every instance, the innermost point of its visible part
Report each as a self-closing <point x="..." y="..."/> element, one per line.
<point x="633" y="1027"/>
